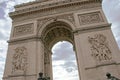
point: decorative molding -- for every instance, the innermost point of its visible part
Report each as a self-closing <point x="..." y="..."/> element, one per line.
<point x="49" y="5"/>
<point x="101" y="65"/>
<point x="100" y="48"/>
<point x="19" y="62"/>
<point x="90" y="18"/>
<point x="36" y="12"/>
<point x="92" y="28"/>
<point x="22" y="75"/>
<point x="22" y="30"/>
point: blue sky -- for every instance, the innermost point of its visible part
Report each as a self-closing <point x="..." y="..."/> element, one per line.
<point x="68" y="66"/>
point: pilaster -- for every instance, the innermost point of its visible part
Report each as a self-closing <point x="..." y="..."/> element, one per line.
<point x="99" y="52"/>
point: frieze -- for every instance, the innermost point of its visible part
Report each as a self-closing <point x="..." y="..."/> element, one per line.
<point x="49" y="5"/>
<point x="100" y="48"/>
<point x="39" y="13"/>
<point x="19" y="62"/>
<point x="23" y="29"/>
<point x="90" y="18"/>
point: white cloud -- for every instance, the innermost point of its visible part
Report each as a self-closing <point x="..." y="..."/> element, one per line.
<point x="60" y="73"/>
<point x="22" y="1"/>
<point x="111" y="9"/>
<point x="64" y="62"/>
<point x="65" y="53"/>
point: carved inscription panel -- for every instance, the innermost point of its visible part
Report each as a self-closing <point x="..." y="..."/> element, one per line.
<point x="23" y="29"/>
<point x="19" y="62"/>
<point x="90" y="18"/>
<point x="99" y="48"/>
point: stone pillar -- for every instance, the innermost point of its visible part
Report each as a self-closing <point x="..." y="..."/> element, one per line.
<point x="40" y="57"/>
<point x="51" y="70"/>
<point x="97" y="53"/>
<point x="48" y="63"/>
<point x="79" y="58"/>
<point x="21" y="61"/>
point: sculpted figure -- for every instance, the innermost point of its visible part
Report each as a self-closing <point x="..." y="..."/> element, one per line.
<point x="19" y="59"/>
<point x="99" y="47"/>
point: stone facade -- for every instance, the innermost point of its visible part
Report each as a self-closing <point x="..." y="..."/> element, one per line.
<point x="38" y="25"/>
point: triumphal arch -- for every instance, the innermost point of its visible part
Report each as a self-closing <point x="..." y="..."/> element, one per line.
<point x="38" y="25"/>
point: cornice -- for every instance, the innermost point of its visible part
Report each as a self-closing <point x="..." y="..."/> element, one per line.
<point x="23" y="40"/>
<point x="10" y="76"/>
<point x="92" y="28"/>
<point x="47" y="7"/>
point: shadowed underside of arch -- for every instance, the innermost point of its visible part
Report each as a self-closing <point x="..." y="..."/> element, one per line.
<point x="57" y="31"/>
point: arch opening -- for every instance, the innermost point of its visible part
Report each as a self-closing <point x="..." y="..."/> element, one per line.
<point x="52" y="34"/>
<point x="55" y="32"/>
<point x="64" y="62"/>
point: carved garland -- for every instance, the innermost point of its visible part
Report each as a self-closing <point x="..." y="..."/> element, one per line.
<point x="19" y="62"/>
<point x="100" y="48"/>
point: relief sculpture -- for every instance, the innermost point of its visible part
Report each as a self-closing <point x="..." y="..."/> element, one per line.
<point x="19" y="59"/>
<point x="90" y="18"/>
<point x="23" y="29"/>
<point x="100" y="48"/>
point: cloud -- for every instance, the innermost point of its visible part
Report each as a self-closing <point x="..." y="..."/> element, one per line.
<point x="118" y="43"/>
<point x="70" y="66"/>
<point x="64" y="62"/>
<point x="112" y="10"/>
<point x="64" y="51"/>
<point x="61" y="73"/>
<point x="2" y="12"/>
<point x="4" y="29"/>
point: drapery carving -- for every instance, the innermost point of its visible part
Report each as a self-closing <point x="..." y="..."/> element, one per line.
<point x="19" y="61"/>
<point x="100" y="48"/>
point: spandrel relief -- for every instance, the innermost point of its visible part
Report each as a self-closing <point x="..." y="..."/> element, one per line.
<point x="100" y="48"/>
<point x="19" y="62"/>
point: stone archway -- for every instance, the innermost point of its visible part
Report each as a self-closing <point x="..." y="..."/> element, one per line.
<point x="40" y="24"/>
<point x="52" y="33"/>
<point x="57" y="31"/>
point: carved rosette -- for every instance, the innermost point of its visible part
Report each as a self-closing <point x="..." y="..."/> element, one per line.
<point x="99" y="48"/>
<point x="19" y="62"/>
<point x="90" y="18"/>
<point x="23" y="29"/>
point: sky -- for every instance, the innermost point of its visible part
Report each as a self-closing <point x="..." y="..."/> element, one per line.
<point x="63" y="51"/>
